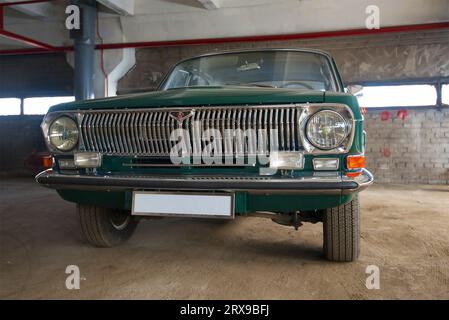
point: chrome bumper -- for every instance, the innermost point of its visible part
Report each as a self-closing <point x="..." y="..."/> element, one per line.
<point x="314" y="184"/>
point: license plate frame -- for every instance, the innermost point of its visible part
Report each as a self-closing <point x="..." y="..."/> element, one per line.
<point x="144" y="199"/>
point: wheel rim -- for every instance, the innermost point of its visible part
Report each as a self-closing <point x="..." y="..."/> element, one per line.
<point x="119" y="220"/>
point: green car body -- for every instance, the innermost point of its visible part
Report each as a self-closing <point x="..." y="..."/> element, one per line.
<point x="216" y="96"/>
<point x="306" y="189"/>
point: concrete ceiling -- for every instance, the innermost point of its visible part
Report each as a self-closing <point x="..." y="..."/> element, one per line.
<point x="159" y="20"/>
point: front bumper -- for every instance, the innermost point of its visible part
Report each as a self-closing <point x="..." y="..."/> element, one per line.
<point x="313" y="184"/>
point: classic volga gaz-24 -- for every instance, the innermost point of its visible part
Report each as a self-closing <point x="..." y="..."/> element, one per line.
<point x="271" y="133"/>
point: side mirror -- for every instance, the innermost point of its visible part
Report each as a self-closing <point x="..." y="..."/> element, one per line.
<point x="355" y="90"/>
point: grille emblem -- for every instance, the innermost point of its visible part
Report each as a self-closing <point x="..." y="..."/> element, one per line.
<point x="181" y="116"/>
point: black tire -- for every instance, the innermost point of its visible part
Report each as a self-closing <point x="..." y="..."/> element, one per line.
<point x="104" y="227"/>
<point x="341" y="232"/>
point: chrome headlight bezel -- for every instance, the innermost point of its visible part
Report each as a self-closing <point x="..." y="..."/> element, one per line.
<point x="47" y="124"/>
<point x="67" y="124"/>
<point x="340" y="122"/>
<point x="344" y="111"/>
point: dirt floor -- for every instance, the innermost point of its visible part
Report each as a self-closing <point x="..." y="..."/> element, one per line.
<point x="405" y="231"/>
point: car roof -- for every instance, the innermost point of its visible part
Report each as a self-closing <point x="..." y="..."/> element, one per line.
<point x="217" y="53"/>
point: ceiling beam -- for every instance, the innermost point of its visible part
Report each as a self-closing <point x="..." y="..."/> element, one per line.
<point x="210" y="4"/>
<point x="32" y="9"/>
<point x="122" y="7"/>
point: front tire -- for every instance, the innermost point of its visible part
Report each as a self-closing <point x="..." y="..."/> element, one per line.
<point x="104" y="227"/>
<point x="341" y="231"/>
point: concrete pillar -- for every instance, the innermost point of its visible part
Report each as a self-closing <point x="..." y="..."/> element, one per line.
<point x="85" y="50"/>
<point x="92" y="67"/>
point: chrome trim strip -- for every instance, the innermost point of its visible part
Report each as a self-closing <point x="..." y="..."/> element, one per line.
<point x="122" y="132"/>
<point x="109" y="135"/>
<point x="103" y="131"/>
<point x="157" y="128"/>
<point x="146" y="131"/>
<point x="118" y="127"/>
<point x="266" y="132"/>
<point x="287" y="127"/>
<point x="166" y="132"/>
<point x="161" y="165"/>
<point x="309" y="185"/>
<point x="94" y="132"/>
<point x="151" y="129"/>
<point x="130" y="132"/>
<point x="282" y="129"/>
<point x="134" y="134"/>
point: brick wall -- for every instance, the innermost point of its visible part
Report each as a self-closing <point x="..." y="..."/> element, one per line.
<point x="362" y="58"/>
<point x="408" y="145"/>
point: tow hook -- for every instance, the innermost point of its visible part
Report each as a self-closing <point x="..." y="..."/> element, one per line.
<point x="296" y="222"/>
<point x="296" y="219"/>
<point x="292" y="219"/>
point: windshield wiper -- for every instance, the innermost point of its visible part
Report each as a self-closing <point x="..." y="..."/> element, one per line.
<point x="250" y="84"/>
<point x="260" y="85"/>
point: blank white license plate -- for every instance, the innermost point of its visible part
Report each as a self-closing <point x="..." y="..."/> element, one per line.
<point x="182" y="204"/>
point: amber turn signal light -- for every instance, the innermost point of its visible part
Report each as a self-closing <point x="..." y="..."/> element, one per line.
<point x="47" y="162"/>
<point x="353" y="174"/>
<point x="355" y="162"/>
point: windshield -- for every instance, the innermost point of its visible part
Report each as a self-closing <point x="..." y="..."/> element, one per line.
<point x="277" y="69"/>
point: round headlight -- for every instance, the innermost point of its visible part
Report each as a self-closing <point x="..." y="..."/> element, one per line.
<point x="63" y="134"/>
<point x="327" y="129"/>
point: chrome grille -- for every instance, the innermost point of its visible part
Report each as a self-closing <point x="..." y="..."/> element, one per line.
<point x="147" y="132"/>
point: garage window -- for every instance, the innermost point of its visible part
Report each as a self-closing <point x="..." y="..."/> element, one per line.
<point x="398" y="96"/>
<point x="42" y="104"/>
<point x="9" y="107"/>
<point x="445" y="94"/>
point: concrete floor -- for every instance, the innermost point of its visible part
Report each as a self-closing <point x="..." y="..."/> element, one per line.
<point x="405" y="233"/>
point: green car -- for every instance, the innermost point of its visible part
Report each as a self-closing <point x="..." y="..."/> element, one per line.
<point x="269" y="133"/>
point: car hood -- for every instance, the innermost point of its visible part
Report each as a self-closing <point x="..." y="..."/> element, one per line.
<point x="199" y="96"/>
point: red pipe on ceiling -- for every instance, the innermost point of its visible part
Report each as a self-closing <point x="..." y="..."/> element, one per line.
<point x="282" y="37"/>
